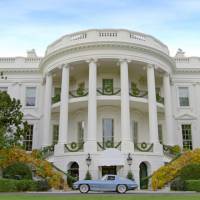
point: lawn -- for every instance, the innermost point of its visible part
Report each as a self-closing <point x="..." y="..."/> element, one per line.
<point x="100" y="197"/>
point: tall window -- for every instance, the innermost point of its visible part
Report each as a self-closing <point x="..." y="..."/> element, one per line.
<point x="30" y="96"/>
<point x="108" y="130"/>
<point x="55" y="133"/>
<point x="108" y="86"/>
<point x="187" y="136"/>
<point x="81" y="128"/>
<point x="28" y="139"/>
<point x="183" y="96"/>
<point x="135" y="132"/>
<point x="3" y="89"/>
<point x="57" y="91"/>
<point x="160" y="133"/>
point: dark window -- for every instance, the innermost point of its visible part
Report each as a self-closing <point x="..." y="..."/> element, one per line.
<point x="55" y="133"/>
<point x="28" y="140"/>
<point x="187" y="136"/>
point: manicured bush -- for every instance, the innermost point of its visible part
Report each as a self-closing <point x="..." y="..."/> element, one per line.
<point x="12" y="185"/>
<point x="71" y="180"/>
<point x="177" y="184"/>
<point x="130" y="175"/>
<point x="88" y="176"/>
<point x="42" y="185"/>
<point x="190" y="172"/>
<point x="17" y="171"/>
<point x="192" y="185"/>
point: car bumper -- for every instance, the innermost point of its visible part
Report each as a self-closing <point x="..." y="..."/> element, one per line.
<point x="74" y="187"/>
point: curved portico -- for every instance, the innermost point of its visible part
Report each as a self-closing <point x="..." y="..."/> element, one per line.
<point x="108" y="81"/>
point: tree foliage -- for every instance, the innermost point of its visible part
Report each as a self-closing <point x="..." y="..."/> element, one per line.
<point x="12" y="126"/>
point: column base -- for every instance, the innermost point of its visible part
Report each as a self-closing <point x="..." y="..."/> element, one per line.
<point x="90" y="146"/>
<point x="158" y="148"/>
<point x="59" y="149"/>
<point x="127" y="147"/>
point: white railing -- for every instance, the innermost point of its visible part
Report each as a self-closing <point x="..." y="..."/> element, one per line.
<point x="98" y="35"/>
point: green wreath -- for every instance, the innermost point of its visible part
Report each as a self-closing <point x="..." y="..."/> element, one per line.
<point x="144" y="145"/>
<point x="73" y="145"/>
<point x="108" y="89"/>
<point x="109" y="144"/>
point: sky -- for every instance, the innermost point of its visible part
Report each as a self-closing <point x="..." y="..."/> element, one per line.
<point x="28" y="24"/>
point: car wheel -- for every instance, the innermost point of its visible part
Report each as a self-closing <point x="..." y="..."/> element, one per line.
<point x="121" y="189"/>
<point x="84" y="188"/>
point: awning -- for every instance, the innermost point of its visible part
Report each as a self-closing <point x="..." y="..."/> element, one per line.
<point x="111" y="157"/>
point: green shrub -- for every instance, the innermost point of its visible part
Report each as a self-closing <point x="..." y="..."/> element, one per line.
<point x="177" y="184"/>
<point x="192" y="185"/>
<point x="17" y="171"/>
<point x="12" y="185"/>
<point x="71" y="180"/>
<point x="42" y="185"/>
<point x="176" y="150"/>
<point x="130" y="175"/>
<point x="88" y="176"/>
<point x="190" y="172"/>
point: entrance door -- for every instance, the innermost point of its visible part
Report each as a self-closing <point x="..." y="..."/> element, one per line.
<point x="143" y="176"/>
<point x="109" y="170"/>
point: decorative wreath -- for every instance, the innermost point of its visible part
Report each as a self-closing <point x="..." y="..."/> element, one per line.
<point x="109" y="144"/>
<point x="73" y="145"/>
<point x="109" y="89"/>
<point x="144" y="145"/>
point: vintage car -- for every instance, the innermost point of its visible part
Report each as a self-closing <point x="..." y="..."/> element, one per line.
<point x="107" y="183"/>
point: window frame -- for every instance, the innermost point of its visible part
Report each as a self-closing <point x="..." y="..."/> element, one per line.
<point x="189" y="140"/>
<point x="25" y="97"/>
<point x="189" y="100"/>
<point x="27" y="142"/>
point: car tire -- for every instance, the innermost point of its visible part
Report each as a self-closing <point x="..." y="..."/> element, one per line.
<point x="84" y="188"/>
<point x="121" y="189"/>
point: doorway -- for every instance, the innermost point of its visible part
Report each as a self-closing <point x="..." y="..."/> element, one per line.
<point x="109" y="170"/>
<point x="143" y="176"/>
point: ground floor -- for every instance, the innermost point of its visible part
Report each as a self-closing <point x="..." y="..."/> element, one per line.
<point x="110" y="161"/>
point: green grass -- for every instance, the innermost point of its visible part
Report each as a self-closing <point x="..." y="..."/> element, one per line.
<point x="100" y="197"/>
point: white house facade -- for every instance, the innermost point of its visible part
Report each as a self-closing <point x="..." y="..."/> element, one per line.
<point x="107" y="101"/>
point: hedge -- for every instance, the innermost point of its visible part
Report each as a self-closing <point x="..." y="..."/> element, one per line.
<point x="192" y="185"/>
<point x="190" y="172"/>
<point x="18" y="171"/>
<point x="12" y="185"/>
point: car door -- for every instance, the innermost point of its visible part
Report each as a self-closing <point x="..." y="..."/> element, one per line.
<point x="109" y="184"/>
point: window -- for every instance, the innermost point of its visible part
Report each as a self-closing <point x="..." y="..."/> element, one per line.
<point x="135" y="132"/>
<point x="55" y="133"/>
<point x="111" y="178"/>
<point x="160" y="134"/>
<point x="28" y="139"/>
<point x="30" y="96"/>
<point x="3" y="89"/>
<point x="107" y="130"/>
<point x="187" y="136"/>
<point x="183" y="96"/>
<point x="81" y="128"/>
<point x="108" y="86"/>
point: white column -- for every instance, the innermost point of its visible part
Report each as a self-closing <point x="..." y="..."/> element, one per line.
<point x="47" y="111"/>
<point x="63" y="124"/>
<point x="91" y="143"/>
<point x="168" y="110"/>
<point x="153" y="121"/>
<point x="127" y="145"/>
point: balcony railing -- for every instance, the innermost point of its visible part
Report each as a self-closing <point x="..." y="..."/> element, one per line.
<point x="135" y="92"/>
<point x="81" y="92"/>
<point x="144" y="147"/>
<point x="74" y="147"/>
<point x="108" y="144"/>
<point x="108" y="91"/>
<point x="47" y="151"/>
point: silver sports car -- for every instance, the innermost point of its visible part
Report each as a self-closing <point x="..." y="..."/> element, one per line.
<point x="107" y="183"/>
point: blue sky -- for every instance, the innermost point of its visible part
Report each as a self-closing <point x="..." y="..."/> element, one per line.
<point x="27" y="24"/>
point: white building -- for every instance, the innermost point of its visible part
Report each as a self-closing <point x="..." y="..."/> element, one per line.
<point x="98" y="93"/>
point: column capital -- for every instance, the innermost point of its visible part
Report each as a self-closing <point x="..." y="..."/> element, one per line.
<point x="121" y="60"/>
<point x="151" y="66"/>
<point x="92" y="60"/>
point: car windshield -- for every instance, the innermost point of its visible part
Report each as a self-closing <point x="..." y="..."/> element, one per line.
<point x="108" y="178"/>
<point x="104" y="178"/>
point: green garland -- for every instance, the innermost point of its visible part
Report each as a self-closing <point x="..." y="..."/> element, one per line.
<point x="78" y="93"/>
<point x="144" y="147"/>
<point x="108" y="144"/>
<point x="105" y="92"/>
<point x="74" y="146"/>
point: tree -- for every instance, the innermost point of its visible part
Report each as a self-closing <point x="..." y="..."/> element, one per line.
<point x="12" y="126"/>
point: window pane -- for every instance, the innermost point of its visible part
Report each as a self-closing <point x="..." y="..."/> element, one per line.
<point x="107" y="130"/>
<point x="187" y="136"/>
<point x="30" y="96"/>
<point x="160" y="134"/>
<point x="28" y="139"/>
<point x="135" y="131"/>
<point x="81" y="128"/>
<point x="184" y="96"/>
<point x="55" y="133"/>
